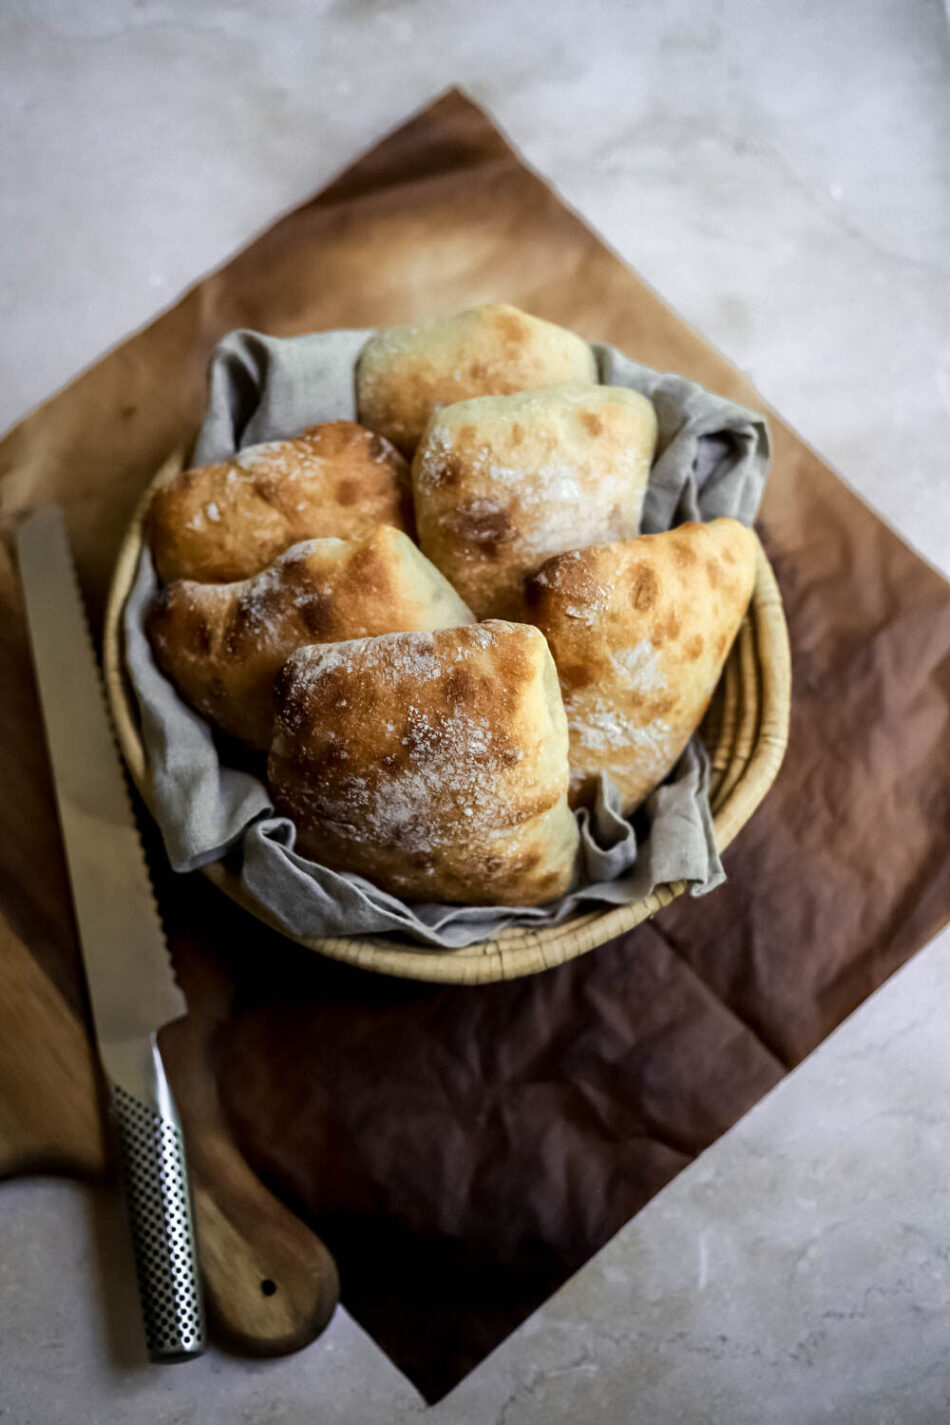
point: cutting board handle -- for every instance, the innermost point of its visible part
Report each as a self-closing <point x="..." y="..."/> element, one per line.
<point x="271" y="1285"/>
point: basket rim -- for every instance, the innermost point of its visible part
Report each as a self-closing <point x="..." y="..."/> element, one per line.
<point x="756" y="749"/>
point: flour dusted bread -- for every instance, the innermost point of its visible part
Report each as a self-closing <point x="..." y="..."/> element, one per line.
<point x="407" y="373"/>
<point x="503" y="482"/>
<point x="434" y="764"/>
<point x="640" y="630"/>
<point x="223" y="645"/>
<point x="228" y="521"/>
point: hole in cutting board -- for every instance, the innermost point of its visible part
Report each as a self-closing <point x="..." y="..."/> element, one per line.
<point x="268" y="1287"/>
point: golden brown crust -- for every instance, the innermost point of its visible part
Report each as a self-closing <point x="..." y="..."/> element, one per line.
<point x="434" y="764"/>
<point x="502" y="483"/>
<point x="640" y="631"/>
<point x="228" y="521"/>
<point x="407" y="373"/>
<point x="223" y="644"/>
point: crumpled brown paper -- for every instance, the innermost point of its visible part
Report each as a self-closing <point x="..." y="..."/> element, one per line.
<point x="464" y="1150"/>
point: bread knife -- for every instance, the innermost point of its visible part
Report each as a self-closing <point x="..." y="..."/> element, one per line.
<point x="132" y="990"/>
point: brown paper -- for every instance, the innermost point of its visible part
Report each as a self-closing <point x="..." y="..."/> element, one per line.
<point x="462" y="1151"/>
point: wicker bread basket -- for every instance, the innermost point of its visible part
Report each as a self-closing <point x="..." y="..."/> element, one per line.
<point x="746" y="729"/>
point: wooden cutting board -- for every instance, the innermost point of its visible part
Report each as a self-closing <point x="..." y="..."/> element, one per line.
<point x="271" y="1285"/>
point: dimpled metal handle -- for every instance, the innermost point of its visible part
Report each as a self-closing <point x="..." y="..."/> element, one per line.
<point x="163" y="1234"/>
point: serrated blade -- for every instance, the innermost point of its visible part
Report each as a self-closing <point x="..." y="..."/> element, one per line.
<point x="131" y="985"/>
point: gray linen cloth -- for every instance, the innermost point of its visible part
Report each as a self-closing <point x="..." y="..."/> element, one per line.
<point x="712" y="459"/>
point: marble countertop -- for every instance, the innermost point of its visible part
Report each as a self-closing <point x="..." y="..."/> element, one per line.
<point x="779" y="174"/>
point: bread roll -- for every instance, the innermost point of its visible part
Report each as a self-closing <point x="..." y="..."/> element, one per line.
<point x="229" y="521"/>
<point x="503" y="482"/>
<point x="640" y="631"/>
<point x="223" y="645"/>
<point x="406" y="373"/>
<point x="434" y="764"/>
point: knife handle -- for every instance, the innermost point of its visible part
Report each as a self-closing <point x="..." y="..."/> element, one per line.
<point x="155" y="1174"/>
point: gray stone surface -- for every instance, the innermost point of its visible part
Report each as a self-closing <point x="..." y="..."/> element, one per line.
<point x="800" y="1271"/>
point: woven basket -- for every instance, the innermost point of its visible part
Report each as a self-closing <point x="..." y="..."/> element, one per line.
<point x="745" y="730"/>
